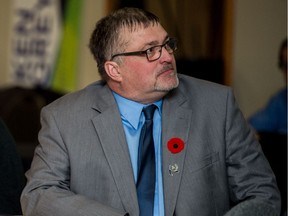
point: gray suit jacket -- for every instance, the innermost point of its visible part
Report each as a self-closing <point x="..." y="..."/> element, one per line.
<point x="82" y="165"/>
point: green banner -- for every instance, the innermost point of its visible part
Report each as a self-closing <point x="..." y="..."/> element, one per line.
<point x="65" y="73"/>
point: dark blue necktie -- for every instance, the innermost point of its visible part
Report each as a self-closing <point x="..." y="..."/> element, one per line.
<point x="146" y="165"/>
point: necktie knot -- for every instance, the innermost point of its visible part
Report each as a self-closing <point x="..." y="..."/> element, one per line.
<point x="149" y="111"/>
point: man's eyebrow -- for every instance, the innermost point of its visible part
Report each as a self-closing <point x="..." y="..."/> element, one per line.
<point x="155" y="43"/>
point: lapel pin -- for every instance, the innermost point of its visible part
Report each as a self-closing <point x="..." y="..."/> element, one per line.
<point x="175" y="145"/>
<point x="173" y="169"/>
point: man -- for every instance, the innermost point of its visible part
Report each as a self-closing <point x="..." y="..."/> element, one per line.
<point x="206" y="157"/>
<point x="12" y="179"/>
<point x="273" y="117"/>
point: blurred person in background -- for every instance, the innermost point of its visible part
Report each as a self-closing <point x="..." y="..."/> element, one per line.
<point x="12" y="179"/>
<point x="273" y="117"/>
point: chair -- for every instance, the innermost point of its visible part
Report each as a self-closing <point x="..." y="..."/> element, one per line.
<point x="274" y="147"/>
<point x="12" y="179"/>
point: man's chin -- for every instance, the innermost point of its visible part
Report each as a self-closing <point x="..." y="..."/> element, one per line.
<point x="167" y="85"/>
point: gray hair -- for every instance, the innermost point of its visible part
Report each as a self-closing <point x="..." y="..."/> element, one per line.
<point x="105" y="38"/>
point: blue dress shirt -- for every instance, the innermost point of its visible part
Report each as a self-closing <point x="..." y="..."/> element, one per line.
<point x="133" y="120"/>
<point x="272" y="118"/>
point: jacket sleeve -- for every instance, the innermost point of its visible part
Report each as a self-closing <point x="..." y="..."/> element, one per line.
<point x="249" y="173"/>
<point x="48" y="190"/>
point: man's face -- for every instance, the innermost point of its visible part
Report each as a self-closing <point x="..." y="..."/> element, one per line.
<point x="284" y="63"/>
<point x="142" y="80"/>
<point x="284" y="59"/>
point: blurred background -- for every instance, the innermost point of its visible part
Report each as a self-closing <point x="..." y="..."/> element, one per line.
<point x="44" y="51"/>
<point x="239" y="37"/>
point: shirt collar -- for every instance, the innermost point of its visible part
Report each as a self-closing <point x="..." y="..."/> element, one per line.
<point x="131" y="110"/>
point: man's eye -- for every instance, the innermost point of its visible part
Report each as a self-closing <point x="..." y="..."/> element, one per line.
<point x="151" y="50"/>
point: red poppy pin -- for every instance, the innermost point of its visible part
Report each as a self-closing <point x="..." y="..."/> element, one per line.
<point x="175" y="145"/>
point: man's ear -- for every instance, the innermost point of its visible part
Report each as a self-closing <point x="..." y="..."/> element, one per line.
<point x="112" y="70"/>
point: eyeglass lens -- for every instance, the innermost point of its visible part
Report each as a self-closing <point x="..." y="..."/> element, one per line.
<point x="154" y="53"/>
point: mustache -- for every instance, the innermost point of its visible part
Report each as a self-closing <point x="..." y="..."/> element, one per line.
<point x="166" y="67"/>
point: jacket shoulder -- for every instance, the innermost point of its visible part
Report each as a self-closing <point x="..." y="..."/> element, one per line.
<point x="196" y="86"/>
<point x="86" y="97"/>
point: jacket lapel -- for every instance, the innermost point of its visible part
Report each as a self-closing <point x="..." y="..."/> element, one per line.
<point x="110" y="130"/>
<point x="176" y="121"/>
<point x="111" y="134"/>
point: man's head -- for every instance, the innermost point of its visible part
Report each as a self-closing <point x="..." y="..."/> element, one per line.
<point x="134" y="55"/>
<point x="105" y="39"/>
<point x="283" y="58"/>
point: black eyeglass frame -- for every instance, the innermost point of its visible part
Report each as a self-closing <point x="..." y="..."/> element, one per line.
<point x="171" y="43"/>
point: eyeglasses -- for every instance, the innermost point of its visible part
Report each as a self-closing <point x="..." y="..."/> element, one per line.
<point x="153" y="53"/>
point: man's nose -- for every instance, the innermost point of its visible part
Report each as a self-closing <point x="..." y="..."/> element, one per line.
<point x="166" y="56"/>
